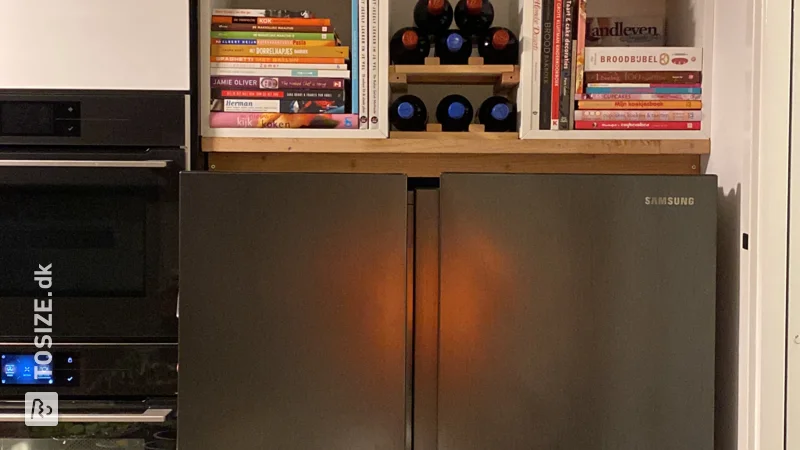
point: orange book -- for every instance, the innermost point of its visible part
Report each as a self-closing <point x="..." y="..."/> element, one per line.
<point x="640" y="104"/>
<point x="276" y="60"/>
<point x="296" y="21"/>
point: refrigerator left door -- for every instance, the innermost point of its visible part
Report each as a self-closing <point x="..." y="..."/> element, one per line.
<point x="293" y="311"/>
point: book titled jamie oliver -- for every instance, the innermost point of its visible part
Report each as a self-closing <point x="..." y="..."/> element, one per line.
<point x="282" y="120"/>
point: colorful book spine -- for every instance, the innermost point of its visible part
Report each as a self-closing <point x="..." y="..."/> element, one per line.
<point x="279" y="120"/>
<point x="644" y="59"/>
<point x="565" y="83"/>
<point x="644" y="77"/>
<point x="300" y="52"/>
<point x="644" y="85"/>
<point x="253" y="27"/>
<point x="639" y="97"/>
<point x="259" y="73"/>
<point x="363" y="64"/>
<point x="627" y="116"/>
<point x="374" y="82"/>
<point x="536" y="50"/>
<point x="546" y="73"/>
<point x="317" y="94"/>
<point x="239" y="12"/>
<point x="257" y="83"/>
<point x="290" y="66"/>
<point x="277" y="60"/>
<point x="278" y="106"/>
<point x="580" y="46"/>
<point x="272" y="35"/>
<point x="635" y="125"/>
<point x="354" y="57"/>
<point x="555" y="90"/>
<point x="599" y="90"/>
<point x="637" y="104"/>
<point x="289" y="21"/>
<point x="273" y="42"/>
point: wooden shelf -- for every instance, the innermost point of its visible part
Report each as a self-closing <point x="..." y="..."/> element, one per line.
<point x="503" y="77"/>
<point x="467" y="143"/>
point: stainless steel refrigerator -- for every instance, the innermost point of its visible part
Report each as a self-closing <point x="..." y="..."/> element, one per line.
<point x="336" y="311"/>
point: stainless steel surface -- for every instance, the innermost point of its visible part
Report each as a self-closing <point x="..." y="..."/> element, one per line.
<point x="410" y="235"/>
<point x="574" y="315"/>
<point x="100" y="344"/>
<point x="149" y="416"/>
<point x="84" y="163"/>
<point x="293" y="311"/>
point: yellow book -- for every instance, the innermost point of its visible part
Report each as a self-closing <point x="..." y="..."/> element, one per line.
<point x="640" y="104"/>
<point x="294" y="52"/>
<point x="278" y="43"/>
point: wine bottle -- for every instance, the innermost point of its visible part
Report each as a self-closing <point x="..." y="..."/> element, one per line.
<point x="409" y="46"/>
<point x="474" y="17"/>
<point x="433" y="16"/>
<point x="499" y="46"/>
<point x="453" y="47"/>
<point x="408" y="113"/>
<point x="454" y="112"/>
<point x="498" y="114"/>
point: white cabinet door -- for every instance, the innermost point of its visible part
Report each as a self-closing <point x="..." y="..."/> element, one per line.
<point x="94" y="44"/>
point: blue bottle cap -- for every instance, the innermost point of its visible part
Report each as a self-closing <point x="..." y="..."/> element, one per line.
<point x="456" y="110"/>
<point x="405" y="110"/>
<point x="500" y="111"/>
<point x="454" y="42"/>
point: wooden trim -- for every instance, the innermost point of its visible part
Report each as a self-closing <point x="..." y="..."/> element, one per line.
<point x="430" y="165"/>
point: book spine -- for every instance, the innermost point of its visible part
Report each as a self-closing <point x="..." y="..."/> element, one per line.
<point x="580" y="46"/>
<point x="558" y="37"/>
<point x="300" y="52"/>
<point x="273" y="42"/>
<point x="565" y="84"/>
<point x="354" y="57"/>
<point x="536" y="71"/>
<point x="644" y="85"/>
<point x="644" y="59"/>
<point x="291" y="21"/>
<point x="256" y="83"/>
<point x="572" y="89"/>
<point x="363" y="63"/>
<point x="254" y="27"/>
<point x="599" y="90"/>
<point x="546" y="73"/>
<point x="636" y="104"/>
<point x="281" y="94"/>
<point x="262" y="66"/>
<point x="646" y="115"/>
<point x="239" y="12"/>
<point x="259" y="73"/>
<point x="639" y="97"/>
<point x="260" y="120"/>
<point x="634" y="125"/>
<point x="277" y="60"/>
<point x="272" y="35"/>
<point x="644" y="77"/>
<point x="374" y="83"/>
<point x="273" y="106"/>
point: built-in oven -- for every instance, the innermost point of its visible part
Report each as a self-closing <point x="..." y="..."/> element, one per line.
<point x="89" y="202"/>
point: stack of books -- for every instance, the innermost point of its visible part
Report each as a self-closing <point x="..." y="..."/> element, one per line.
<point x="640" y="88"/>
<point x="278" y="69"/>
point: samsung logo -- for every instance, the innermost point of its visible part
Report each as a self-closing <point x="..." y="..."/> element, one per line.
<point x="669" y="201"/>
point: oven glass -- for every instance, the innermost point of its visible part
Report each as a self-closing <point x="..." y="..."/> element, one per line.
<point x="90" y="436"/>
<point x="95" y="237"/>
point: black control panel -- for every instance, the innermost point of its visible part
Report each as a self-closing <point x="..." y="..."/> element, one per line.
<point x="40" y="118"/>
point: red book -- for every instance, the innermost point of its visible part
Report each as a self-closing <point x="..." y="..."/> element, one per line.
<point x="635" y="125"/>
<point x="555" y="92"/>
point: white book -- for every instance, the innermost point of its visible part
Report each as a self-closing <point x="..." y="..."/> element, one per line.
<point x="374" y="82"/>
<point x="643" y="59"/>
<point x="239" y="12"/>
<point x="363" y="65"/>
<point x="310" y="73"/>
<point x="536" y="50"/>
<point x="234" y="65"/>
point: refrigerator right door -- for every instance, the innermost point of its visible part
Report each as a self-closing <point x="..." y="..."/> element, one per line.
<point x="577" y="312"/>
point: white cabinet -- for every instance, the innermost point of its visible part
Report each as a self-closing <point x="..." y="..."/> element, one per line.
<point x="94" y="44"/>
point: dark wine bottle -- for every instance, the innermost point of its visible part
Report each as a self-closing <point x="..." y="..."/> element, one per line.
<point x="454" y="112"/>
<point x="408" y="113"/>
<point x="433" y="16"/>
<point x="409" y="46"/>
<point x="453" y="47"/>
<point x="498" y="114"/>
<point x="499" y="46"/>
<point x="474" y="17"/>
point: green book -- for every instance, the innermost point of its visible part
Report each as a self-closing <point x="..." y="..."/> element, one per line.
<point x="272" y="35"/>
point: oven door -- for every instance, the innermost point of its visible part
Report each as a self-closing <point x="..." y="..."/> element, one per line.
<point x="104" y="225"/>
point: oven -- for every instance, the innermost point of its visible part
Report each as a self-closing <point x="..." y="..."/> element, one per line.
<point x="89" y="200"/>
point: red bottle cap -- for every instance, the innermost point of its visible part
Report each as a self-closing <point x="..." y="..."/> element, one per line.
<point x="436" y="6"/>
<point x="500" y="39"/>
<point x="474" y="7"/>
<point x="410" y="39"/>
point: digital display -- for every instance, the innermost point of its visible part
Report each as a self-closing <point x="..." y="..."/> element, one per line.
<point x="22" y="369"/>
<point x="27" y="119"/>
